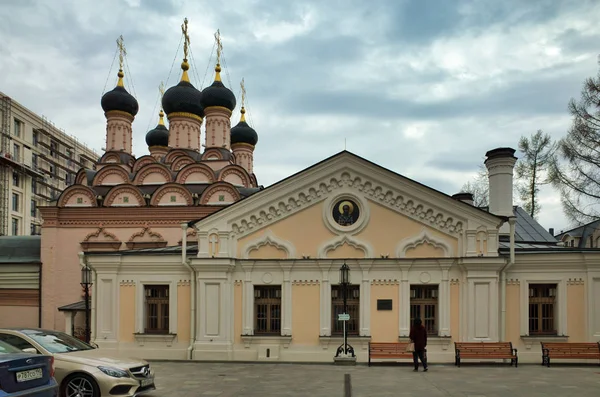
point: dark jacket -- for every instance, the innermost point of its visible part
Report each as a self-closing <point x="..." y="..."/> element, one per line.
<point x="418" y="335"/>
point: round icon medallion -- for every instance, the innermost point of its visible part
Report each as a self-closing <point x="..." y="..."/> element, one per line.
<point x="345" y="212"/>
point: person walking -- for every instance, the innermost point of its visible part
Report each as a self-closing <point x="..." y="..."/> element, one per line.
<point x="418" y="335"/>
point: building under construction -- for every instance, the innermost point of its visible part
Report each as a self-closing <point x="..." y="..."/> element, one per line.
<point x="37" y="161"/>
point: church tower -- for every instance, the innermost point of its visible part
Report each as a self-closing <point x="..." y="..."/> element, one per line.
<point x="244" y="139"/>
<point x="120" y="108"/>
<point x="183" y="106"/>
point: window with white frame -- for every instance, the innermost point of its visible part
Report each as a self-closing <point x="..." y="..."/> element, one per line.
<point x="424" y="305"/>
<point x="542" y="309"/>
<point x="352" y="308"/>
<point x="267" y="309"/>
<point x="156" y="302"/>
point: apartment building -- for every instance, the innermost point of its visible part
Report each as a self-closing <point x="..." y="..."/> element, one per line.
<point x="37" y="162"/>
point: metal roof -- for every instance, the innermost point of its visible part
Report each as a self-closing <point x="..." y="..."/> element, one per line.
<point x="20" y="249"/>
<point x="529" y="230"/>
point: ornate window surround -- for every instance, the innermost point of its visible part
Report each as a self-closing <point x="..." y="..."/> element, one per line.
<point x="269" y="238"/>
<point x="140" y="315"/>
<point x="561" y="306"/>
<point x="421" y="238"/>
<point x="337" y="242"/>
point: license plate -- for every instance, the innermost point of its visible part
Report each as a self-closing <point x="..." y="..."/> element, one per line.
<point x="29" y="375"/>
<point x="146" y="382"/>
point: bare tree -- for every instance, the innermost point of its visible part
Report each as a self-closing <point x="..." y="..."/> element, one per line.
<point x="537" y="155"/>
<point x="479" y="187"/>
<point x="575" y="170"/>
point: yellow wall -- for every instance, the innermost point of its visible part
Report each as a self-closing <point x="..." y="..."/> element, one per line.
<point x="237" y="313"/>
<point x="384" y="323"/>
<point x="306" y="313"/>
<point x="183" y="312"/>
<point x="576" y="313"/>
<point x="126" y="312"/>
<point x="455" y="311"/>
<point x="513" y="313"/>
<point x="385" y="229"/>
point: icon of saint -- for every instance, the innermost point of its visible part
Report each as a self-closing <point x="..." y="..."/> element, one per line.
<point x="346" y="217"/>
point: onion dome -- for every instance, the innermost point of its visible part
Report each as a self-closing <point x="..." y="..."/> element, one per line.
<point x="159" y="136"/>
<point x="184" y="97"/>
<point x="217" y="94"/>
<point x="243" y="133"/>
<point x="119" y="99"/>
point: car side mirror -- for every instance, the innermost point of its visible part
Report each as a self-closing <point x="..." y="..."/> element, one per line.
<point x="30" y="350"/>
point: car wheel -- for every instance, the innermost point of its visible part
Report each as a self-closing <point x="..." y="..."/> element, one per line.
<point x="79" y="385"/>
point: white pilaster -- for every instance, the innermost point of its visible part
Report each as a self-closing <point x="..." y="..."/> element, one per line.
<point x="248" y="304"/>
<point x="365" y="304"/>
<point x="404" y="303"/>
<point x="325" y="304"/>
<point x="444" y="329"/>
<point x="286" y="294"/>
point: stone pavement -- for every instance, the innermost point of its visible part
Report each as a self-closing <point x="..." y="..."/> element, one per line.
<point x="186" y="379"/>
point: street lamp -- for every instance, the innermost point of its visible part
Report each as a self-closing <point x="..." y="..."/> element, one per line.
<point x="86" y="282"/>
<point x="345" y="287"/>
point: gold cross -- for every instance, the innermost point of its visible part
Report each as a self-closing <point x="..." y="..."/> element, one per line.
<point x="243" y="92"/>
<point x="122" y="51"/>
<point x="186" y="42"/>
<point x="219" y="46"/>
<point x="161" y="88"/>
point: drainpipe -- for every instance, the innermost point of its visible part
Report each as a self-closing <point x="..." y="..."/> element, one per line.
<point x="186" y="263"/>
<point x="511" y="261"/>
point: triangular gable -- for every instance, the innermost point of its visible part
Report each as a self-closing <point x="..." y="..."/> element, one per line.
<point x="343" y="172"/>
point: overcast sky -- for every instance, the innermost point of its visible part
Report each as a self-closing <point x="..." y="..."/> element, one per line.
<point x="422" y="87"/>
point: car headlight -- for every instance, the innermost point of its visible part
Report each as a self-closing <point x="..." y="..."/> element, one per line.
<point x="114" y="372"/>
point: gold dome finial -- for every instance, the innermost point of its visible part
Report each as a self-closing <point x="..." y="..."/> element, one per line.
<point x="219" y="50"/>
<point x="122" y="53"/>
<point x="185" y="66"/>
<point x="243" y="109"/>
<point x="161" y="114"/>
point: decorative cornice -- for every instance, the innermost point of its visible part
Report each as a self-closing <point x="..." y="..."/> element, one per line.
<point x="454" y="281"/>
<point x="575" y="281"/>
<point x="268" y="238"/>
<point x="424" y="237"/>
<point x="183" y="283"/>
<point x="385" y="282"/>
<point x="305" y="283"/>
<point x="154" y="236"/>
<point x="513" y="281"/>
<point x="339" y="241"/>
<point x="118" y="113"/>
<point x="322" y="188"/>
<point x="238" y="283"/>
<point x="127" y="283"/>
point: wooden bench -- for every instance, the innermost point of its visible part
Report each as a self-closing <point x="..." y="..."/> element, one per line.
<point x="577" y="351"/>
<point x="485" y="350"/>
<point x="388" y="350"/>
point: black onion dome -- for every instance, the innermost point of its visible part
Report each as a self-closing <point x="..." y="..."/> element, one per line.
<point x="243" y="133"/>
<point x="159" y="136"/>
<point x="218" y="95"/>
<point x="183" y="97"/>
<point x="119" y="99"/>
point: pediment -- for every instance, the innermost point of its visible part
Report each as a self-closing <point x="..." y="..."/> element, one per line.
<point x="383" y="206"/>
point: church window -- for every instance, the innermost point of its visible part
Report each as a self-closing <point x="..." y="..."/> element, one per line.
<point x="541" y="309"/>
<point x="267" y="309"/>
<point x="352" y="308"/>
<point x="157" y="309"/>
<point x="424" y="305"/>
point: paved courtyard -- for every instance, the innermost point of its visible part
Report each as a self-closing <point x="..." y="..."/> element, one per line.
<point x="186" y="379"/>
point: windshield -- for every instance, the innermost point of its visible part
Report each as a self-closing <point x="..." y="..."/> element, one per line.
<point x="58" y="342"/>
<point x="5" y="348"/>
